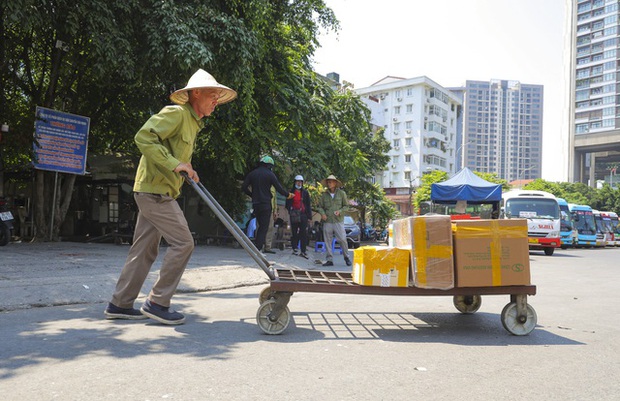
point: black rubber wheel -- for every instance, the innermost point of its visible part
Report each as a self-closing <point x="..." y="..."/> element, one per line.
<point x="549" y="251"/>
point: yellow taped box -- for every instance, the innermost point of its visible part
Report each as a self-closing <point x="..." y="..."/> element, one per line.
<point x="430" y="240"/>
<point x="381" y="266"/>
<point x="491" y="253"/>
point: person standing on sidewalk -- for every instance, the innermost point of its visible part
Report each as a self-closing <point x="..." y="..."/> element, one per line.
<point x="332" y="205"/>
<point x="300" y="212"/>
<point x="257" y="185"/>
<point x="166" y="142"/>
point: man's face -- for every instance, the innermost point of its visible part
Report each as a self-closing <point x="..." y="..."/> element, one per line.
<point x="331" y="184"/>
<point x="204" y="101"/>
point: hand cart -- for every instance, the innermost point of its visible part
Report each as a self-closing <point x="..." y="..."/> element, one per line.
<point x="273" y="315"/>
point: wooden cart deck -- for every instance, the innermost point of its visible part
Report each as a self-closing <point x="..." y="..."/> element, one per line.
<point x="290" y="280"/>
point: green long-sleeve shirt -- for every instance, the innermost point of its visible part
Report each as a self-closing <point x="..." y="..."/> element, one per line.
<point x="328" y="205"/>
<point x="166" y="140"/>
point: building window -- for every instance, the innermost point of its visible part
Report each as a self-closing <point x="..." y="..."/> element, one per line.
<point x="407" y="158"/>
<point x="397" y="110"/>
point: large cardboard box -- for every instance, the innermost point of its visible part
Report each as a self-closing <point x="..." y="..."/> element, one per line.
<point x="491" y="253"/>
<point x="430" y="240"/>
<point x="381" y="266"/>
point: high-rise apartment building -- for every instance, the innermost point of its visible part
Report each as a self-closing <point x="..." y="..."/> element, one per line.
<point x="420" y="121"/>
<point x="595" y="91"/>
<point x="502" y="129"/>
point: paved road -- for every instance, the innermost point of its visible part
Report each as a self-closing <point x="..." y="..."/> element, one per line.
<point x="341" y="347"/>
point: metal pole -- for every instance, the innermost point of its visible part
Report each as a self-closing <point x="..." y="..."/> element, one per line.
<point x="53" y="206"/>
<point x="229" y="223"/>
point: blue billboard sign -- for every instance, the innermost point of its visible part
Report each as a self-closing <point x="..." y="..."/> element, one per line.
<point x="61" y="141"/>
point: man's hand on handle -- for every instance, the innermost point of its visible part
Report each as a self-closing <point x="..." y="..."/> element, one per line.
<point x="191" y="173"/>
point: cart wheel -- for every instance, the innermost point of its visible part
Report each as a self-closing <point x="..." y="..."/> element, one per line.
<point x="467" y="303"/>
<point x="518" y="325"/>
<point x="266" y="324"/>
<point x="265" y="295"/>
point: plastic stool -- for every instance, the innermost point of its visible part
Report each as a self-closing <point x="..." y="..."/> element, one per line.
<point x="319" y="246"/>
<point x="336" y="246"/>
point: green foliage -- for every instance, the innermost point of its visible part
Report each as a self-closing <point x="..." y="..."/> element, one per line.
<point x="116" y="61"/>
<point x="604" y="199"/>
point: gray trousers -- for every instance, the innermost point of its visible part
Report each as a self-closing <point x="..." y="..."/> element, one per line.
<point x="329" y="231"/>
<point x="159" y="215"/>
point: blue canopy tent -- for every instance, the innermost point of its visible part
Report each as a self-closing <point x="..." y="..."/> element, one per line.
<point x="467" y="186"/>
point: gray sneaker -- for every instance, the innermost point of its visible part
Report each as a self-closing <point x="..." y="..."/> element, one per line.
<point x="162" y="314"/>
<point x="295" y="251"/>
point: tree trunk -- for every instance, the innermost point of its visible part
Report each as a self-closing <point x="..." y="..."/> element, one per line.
<point x="45" y="203"/>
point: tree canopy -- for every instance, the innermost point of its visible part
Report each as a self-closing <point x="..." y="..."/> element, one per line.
<point x="116" y="61"/>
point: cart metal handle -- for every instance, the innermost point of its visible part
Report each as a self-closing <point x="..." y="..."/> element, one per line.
<point x="230" y="224"/>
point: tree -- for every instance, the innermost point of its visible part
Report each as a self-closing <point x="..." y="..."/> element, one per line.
<point x="116" y="61"/>
<point x="423" y="193"/>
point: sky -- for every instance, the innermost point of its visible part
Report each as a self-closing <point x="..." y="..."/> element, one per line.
<point x="451" y="41"/>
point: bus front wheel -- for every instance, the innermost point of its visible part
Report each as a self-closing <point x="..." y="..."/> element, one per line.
<point x="549" y="251"/>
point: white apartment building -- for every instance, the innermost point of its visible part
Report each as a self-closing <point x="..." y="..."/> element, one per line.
<point x="420" y="121"/>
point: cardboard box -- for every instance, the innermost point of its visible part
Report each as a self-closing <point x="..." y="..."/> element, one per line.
<point x="429" y="238"/>
<point x="491" y="253"/>
<point x="381" y="266"/>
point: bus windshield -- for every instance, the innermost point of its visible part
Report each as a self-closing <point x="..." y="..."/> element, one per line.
<point x="529" y="208"/>
<point x="584" y="222"/>
<point x="615" y="225"/>
<point x="566" y="222"/>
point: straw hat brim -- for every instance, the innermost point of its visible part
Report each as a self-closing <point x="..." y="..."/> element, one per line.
<point x="226" y="94"/>
<point x="331" y="177"/>
<point x="202" y="80"/>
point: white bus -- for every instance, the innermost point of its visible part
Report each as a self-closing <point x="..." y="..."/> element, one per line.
<point x="542" y="212"/>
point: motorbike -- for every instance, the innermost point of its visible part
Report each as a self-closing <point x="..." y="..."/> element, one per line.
<point x="370" y="234"/>
<point x="6" y="223"/>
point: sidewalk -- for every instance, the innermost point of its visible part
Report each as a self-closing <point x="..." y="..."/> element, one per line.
<point x="65" y="273"/>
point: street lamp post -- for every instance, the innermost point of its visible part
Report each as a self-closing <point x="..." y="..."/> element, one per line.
<point x="523" y="172"/>
<point x="461" y="147"/>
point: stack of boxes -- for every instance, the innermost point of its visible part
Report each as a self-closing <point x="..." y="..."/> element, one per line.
<point x="435" y="252"/>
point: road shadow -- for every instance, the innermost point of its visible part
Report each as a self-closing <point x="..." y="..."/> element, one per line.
<point x="75" y="332"/>
<point x="479" y="329"/>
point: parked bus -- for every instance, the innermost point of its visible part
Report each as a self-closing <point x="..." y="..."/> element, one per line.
<point x="603" y="226"/>
<point x="616" y="227"/>
<point x="610" y="239"/>
<point x="600" y="229"/>
<point x="542" y="211"/>
<point x="583" y="219"/>
<point x="568" y="232"/>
